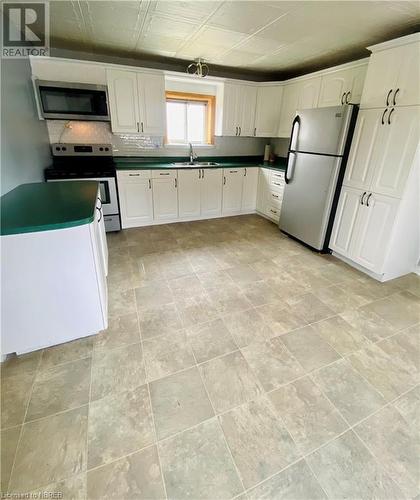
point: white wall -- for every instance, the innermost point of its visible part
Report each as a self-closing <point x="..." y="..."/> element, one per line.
<point x="25" y="148"/>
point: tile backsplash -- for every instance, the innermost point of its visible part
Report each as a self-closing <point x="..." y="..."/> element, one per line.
<point x="79" y="132"/>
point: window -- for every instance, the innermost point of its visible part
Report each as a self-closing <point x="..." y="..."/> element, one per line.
<point x="189" y="118"/>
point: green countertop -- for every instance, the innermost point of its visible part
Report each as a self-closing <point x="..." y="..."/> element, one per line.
<point x="42" y="206"/>
<point x="154" y="163"/>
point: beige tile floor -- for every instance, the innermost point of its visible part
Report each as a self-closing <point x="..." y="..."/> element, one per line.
<point x="235" y="361"/>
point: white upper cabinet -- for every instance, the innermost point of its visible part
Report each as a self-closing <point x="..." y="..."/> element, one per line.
<point x="342" y="87"/>
<point x="309" y="93"/>
<point x="123" y="100"/>
<point x="248" y="102"/>
<point x="231" y="117"/>
<point x="393" y="76"/>
<point x="239" y="103"/>
<point x="267" y="115"/>
<point x="137" y="102"/>
<point x="396" y="150"/>
<point x="289" y="106"/>
<point x="152" y="105"/>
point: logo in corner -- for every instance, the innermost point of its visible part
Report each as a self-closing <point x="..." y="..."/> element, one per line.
<point x="25" y="29"/>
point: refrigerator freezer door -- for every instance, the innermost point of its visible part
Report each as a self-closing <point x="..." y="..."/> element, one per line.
<point x="308" y="197"/>
<point x="323" y="130"/>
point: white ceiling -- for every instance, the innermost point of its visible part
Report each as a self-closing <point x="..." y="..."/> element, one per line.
<point x="269" y="36"/>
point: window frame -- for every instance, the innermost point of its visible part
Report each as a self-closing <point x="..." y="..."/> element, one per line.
<point x="210" y="101"/>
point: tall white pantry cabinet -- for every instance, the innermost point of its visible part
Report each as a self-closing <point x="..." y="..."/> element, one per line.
<point x="377" y="223"/>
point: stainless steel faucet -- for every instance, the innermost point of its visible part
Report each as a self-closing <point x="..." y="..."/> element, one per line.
<point x="193" y="156"/>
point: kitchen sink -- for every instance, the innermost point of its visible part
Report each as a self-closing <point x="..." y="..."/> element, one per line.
<point x="196" y="164"/>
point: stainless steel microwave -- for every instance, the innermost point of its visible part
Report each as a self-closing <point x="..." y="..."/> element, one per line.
<point x="72" y="101"/>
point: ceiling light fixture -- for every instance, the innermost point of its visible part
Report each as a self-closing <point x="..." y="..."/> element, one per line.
<point x="198" y="67"/>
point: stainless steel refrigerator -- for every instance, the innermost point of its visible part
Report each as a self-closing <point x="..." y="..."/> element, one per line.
<point x="318" y="150"/>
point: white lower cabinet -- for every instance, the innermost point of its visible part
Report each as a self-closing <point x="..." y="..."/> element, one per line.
<point x="211" y="192"/>
<point x="165" y="195"/>
<point x="136" y="201"/>
<point x="362" y="227"/>
<point x="199" y="193"/>
<point x="189" y="196"/>
<point x="249" y="189"/>
<point x="270" y="193"/>
<point x="168" y="195"/>
<point x="232" y="191"/>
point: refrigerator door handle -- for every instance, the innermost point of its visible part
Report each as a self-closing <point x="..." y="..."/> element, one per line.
<point x="290" y="168"/>
<point x="292" y="145"/>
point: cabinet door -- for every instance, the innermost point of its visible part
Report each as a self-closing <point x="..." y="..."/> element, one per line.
<point x="263" y="189"/>
<point x="232" y="190"/>
<point x="248" y="101"/>
<point x="381" y="77"/>
<point x="395" y="156"/>
<point x="375" y="224"/>
<point x="366" y="141"/>
<point x="211" y="192"/>
<point x="268" y="111"/>
<point x="334" y="88"/>
<point x="408" y="81"/>
<point x="231" y="101"/>
<point x="165" y="199"/>
<point x="356" y="83"/>
<point x="189" y="193"/>
<point x="123" y="100"/>
<point x="309" y="93"/>
<point x="344" y="229"/>
<point x="135" y="202"/>
<point x="250" y="188"/>
<point x="288" y="109"/>
<point x="152" y="103"/>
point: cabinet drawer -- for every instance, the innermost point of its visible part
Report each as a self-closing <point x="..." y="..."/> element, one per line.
<point x="275" y="174"/>
<point x="132" y="175"/>
<point x="277" y="184"/>
<point x="273" y="211"/>
<point x="275" y="198"/>
<point x="164" y="174"/>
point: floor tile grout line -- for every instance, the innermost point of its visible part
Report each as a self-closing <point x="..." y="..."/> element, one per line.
<point x="23" y="421"/>
<point x="151" y="407"/>
<point x="221" y="428"/>
<point x="88" y="418"/>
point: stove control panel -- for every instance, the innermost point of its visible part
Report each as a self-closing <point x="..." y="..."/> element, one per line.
<point x="61" y="149"/>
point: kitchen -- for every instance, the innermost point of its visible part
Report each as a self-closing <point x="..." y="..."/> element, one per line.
<point x="220" y="276"/>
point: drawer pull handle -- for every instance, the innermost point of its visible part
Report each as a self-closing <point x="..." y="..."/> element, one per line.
<point x="150" y="184"/>
<point x="224" y="180"/>
<point x="133" y="175"/>
<point x="164" y="173"/>
<point x="275" y="195"/>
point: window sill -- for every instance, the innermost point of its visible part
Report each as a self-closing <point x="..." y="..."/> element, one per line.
<point x="186" y="146"/>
